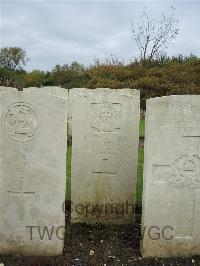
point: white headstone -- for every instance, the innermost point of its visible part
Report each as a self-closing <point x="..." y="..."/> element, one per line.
<point x="105" y="125"/>
<point x="56" y="91"/>
<point x="32" y="173"/>
<point x="69" y="116"/>
<point x="52" y="90"/>
<point x="171" y="195"/>
<point x="4" y="88"/>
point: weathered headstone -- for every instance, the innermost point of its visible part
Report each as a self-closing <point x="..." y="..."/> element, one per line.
<point x="32" y="173"/>
<point x="105" y="125"/>
<point x="56" y="91"/>
<point x="171" y="196"/>
<point x="69" y="116"/>
<point x="3" y="88"/>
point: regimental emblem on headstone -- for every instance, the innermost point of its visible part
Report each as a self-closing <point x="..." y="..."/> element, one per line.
<point x="21" y="122"/>
<point x="184" y="170"/>
<point x="183" y="174"/>
<point x="106" y="116"/>
<point x="187" y="171"/>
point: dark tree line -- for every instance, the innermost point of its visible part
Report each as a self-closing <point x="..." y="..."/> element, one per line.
<point x="163" y="76"/>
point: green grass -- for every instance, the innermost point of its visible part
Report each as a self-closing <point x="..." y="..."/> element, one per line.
<point x="139" y="184"/>
<point x="139" y="175"/>
<point x="142" y="127"/>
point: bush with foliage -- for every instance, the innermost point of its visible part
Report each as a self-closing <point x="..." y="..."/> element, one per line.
<point x="158" y="77"/>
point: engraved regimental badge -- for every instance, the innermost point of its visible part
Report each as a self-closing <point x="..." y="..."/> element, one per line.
<point x="21" y="122"/>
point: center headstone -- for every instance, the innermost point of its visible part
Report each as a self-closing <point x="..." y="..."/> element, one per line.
<point x="105" y="129"/>
<point x="32" y="173"/>
<point x="171" y="196"/>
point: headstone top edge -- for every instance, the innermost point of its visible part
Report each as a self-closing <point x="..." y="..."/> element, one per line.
<point x="52" y="94"/>
<point x="17" y="93"/>
<point x="45" y="87"/>
<point x="7" y="88"/>
<point x="170" y="97"/>
<point x="123" y="91"/>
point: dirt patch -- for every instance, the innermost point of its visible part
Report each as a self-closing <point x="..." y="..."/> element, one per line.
<point x="97" y="245"/>
<point x="141" y="142"/>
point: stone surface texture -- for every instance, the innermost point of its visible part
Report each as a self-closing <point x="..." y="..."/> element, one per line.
<point x="105" y="129"/>
<point x="32" y="173"/>
<point x="171" y="194"/>
<point x="3" y="88"/>
<point x="56" y="91"/>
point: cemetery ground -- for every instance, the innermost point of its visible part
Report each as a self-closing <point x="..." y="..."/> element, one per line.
<point x="88" y="245"/>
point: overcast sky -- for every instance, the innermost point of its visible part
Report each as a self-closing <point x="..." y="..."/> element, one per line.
<point x="59" y="32"/>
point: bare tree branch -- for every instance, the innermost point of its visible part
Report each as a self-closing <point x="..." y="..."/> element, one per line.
<point x="151" y="36"/>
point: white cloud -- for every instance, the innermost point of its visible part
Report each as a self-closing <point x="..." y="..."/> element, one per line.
<point x="58" y="32"/>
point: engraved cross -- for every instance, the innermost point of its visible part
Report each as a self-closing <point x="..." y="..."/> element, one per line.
<point x="21" y="194"/>
<point x="183" y="174"/>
